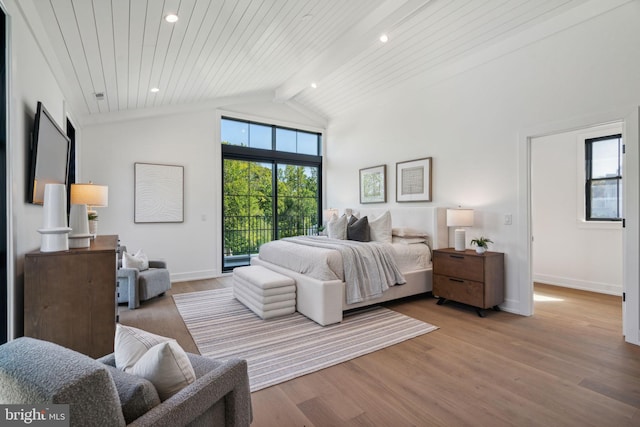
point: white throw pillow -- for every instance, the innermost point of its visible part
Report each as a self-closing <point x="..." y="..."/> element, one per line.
<point x="144" y="258"/>
<point x="139" y="260"/>
<point x="408" y="232"/>
<point x="168" y="368"/>
<point x="132" y="343"/>
<point x="408" y="240"/>
<point x="380" y="228"/>
<point x="337" y="227"/>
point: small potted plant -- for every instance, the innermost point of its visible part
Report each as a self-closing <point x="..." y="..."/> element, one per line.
<point x="482" y="243"/>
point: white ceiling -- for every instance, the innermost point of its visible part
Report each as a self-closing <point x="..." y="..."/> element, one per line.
<point x="274" y="48"/>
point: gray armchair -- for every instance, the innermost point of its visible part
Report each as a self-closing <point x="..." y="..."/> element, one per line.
<point x="135" y="285"/>
<point x="98" y="394"/>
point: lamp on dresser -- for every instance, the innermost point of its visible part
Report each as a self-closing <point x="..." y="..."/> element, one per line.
<point x="459" y="218"/>
<point x="85" y="197"/>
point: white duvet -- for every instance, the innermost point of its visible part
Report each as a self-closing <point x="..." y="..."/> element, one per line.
<point x="326" y="264"/>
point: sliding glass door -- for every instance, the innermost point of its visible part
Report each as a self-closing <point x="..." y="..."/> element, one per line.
<point x="264" y="201"/>
<point x="297" y="200"/>
<point x="247" y="209"/>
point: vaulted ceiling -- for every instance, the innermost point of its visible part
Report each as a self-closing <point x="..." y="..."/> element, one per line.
<point x="270" y="49"/>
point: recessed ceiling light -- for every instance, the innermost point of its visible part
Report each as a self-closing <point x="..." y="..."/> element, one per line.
<point x="155" y="90"/>
<point x="314" y="85"/>
<point x="172" y="17"/>
<point x="384" y="38"/>
<point x="99" y="96"/>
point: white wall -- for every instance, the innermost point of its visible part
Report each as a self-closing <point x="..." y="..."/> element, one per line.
<point x="30" y="81"/>
<point x="192" y="140"/>
<point x="567" y="250"/>
<point x="108" y="156"/>
<point x="470" y="125"/>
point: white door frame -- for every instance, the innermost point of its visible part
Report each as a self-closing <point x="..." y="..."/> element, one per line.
<point x="630" y="116"/>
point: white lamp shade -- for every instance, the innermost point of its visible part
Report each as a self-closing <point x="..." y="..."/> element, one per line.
<point x="328" y="213"/>
<point x="459" y="217"/>
<point x="90" y="195"/>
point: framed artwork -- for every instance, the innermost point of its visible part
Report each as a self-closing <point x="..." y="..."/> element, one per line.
<point x="413" y="180"/>
<point x="373" y="188"/>
<point x="158" y="193"/>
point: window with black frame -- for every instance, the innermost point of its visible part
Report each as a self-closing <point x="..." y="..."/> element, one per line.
<point x="603" y="187"/>
<point x="271" y="180"/>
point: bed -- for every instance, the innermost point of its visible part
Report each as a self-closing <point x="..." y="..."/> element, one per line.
<point x="323" y="298"/>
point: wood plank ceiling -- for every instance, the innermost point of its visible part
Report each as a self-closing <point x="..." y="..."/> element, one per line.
<point x="233" y="48"/>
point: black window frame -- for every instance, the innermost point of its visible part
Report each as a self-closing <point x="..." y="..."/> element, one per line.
<point x="273" y="157"/>
<point x="588" y="149"/>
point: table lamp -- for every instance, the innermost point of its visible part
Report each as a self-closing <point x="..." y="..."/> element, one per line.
<point x="84" y="198"/>
<point x="459" y="218"/>
<point x="328" y="213"/>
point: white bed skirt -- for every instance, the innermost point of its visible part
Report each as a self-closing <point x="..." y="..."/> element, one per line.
<point x="324" y="301"/>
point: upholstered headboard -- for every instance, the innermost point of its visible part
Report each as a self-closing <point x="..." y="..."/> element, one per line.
<point x="430" y="219"/>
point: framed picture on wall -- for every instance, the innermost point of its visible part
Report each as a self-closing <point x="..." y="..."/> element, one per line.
<point x="373" y="187"/>
<point x="159" y="193"/>
<point x="413" y="180"/>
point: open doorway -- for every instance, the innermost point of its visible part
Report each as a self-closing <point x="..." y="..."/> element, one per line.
<point x="570" y="247"/>
<point x="630" y="117"/>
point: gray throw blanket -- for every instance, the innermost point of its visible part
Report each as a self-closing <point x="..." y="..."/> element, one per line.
<point x="369" y="267"/>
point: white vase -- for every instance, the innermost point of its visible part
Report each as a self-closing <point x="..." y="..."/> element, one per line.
<point x="93" y="227"/>
<point x="55" y="230"/>
<point x="480" y="250"/>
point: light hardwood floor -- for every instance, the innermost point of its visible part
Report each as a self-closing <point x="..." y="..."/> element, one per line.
<point x="568" y="365"/>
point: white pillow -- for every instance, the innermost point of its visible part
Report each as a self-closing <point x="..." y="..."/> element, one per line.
<point x="408" y="240"/>
<point x="145" y="259"/>
<point x="139" y="260"/>
<point x="132" y="343"/>
<point x="380" y="228"/>
<point x="408" y="232"/>
<point x="337" y="227"/>
<point x="168" y="368"/>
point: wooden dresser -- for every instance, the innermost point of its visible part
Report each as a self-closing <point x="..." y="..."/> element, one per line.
<point x="469" y="278"/>
<point x="70" y="296"/>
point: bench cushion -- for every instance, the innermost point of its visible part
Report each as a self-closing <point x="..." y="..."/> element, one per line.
<point x="265" y="292"/>
<point x="263" y="277"/>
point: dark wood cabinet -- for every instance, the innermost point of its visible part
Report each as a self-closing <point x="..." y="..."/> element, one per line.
<point x="70" y="296"/>
<point x="469" y="278"/>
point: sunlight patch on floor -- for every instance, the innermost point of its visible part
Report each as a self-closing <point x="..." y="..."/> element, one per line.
<point x="544" y="298"/>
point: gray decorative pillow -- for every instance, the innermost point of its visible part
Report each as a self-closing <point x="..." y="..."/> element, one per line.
<point x="358" y="229"/>
<point x="137" y="395"/>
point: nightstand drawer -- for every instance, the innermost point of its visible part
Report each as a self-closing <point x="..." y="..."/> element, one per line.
<point x="464" y="291"/>
<point x="459" y="265"/>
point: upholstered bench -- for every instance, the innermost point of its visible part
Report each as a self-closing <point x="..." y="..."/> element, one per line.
<point x="265" y="292"/>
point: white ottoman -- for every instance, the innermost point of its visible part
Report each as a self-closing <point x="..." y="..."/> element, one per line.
<point x="267" y="293"/>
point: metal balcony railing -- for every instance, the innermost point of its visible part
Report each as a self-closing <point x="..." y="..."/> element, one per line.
<point x="243" y="235"/>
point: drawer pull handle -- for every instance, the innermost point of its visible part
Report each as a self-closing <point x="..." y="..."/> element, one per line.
<point x="456" y="280"/>
<point x="457" y="256"/>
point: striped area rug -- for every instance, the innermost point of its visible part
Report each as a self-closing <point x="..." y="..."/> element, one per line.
<point x="284" y="348"/>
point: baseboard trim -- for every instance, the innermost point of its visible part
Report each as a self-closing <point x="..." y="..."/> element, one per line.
<point x="583" y="285"/>
<point x="194" y="275"/>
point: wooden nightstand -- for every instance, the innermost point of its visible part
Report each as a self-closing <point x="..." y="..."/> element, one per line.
<point x="469" y="278"/>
